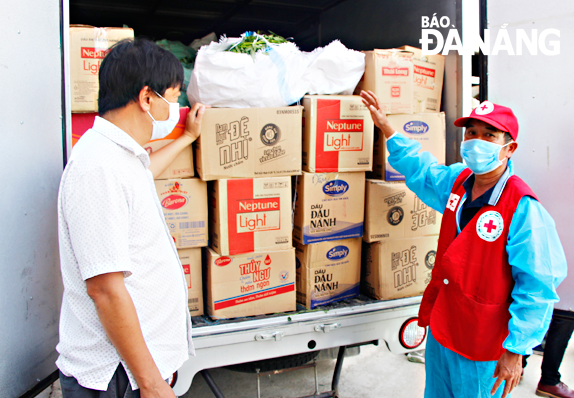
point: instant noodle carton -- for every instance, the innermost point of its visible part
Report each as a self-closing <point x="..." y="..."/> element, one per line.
<point x="429" y="129"/>
<point x="393" y="211"/>
<point x="88" y="47"/>
<point x="249" y="142"/>
<point x="389" y="74"/>
<point x="329" y="206"/>
<point x="191" y="263"/>
<point x="250" y="214"/>
<point x="328" y="271"/>
<point x="250" y="284"/>
<point x="184" y="205"/>
<point x="337" y="134"/>
<point x="398" y="268"/>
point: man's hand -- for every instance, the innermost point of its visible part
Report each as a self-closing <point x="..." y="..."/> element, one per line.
<point x="379" y="118"/>
<point x="161" y="390"/>
<point x="509" y="369"/>
<point x="193" y="121"/>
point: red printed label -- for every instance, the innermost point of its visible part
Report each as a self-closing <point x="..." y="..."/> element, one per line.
<point x="187" y="272"/>
<point x="222" y="261"/>
<point x="345" y="126"/>
<point x="424" y="71"/>
<point x="174" y="202"/>
<point x="395" y="91"/>
<point x="90" y="52"/>
<point x="390" y="71"/>
<point x="343" y="142"/>
<point x="252" y="297"/>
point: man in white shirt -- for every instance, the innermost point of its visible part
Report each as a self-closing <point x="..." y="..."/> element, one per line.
<point x="124" y="325"/>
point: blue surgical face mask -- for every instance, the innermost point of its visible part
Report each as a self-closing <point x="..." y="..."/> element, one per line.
<point x="481" y="156"/>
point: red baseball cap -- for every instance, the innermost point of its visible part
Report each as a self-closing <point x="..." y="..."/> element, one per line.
<point x="498" y="116"/>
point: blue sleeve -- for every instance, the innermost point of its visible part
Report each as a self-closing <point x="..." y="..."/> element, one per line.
<point x="430" y="181"/>
<point x="538" y="266"/>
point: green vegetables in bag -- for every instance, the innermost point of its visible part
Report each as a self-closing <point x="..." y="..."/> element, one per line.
<point x="252" y="42"/>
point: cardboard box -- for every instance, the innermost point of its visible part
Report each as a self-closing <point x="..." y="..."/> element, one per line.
<point x="184" y="205"/>
<point x="88" y="47"/>
<point x="389" y="74"/>
<point x="329" y="206"/>
<point x="250" y="284"/>
<point x="428" y="79"/>
<point x="249" y="142"/>
<point x="399" y="268"/>
<point x="251" y="214"/>
<point x="328" y="271"/>
<point x="191" y="263"/>
<point x="337" y="134"/>
<point x="429" y="129"/>
<point x="182" y="165"/>
<point x="392" y="211"/>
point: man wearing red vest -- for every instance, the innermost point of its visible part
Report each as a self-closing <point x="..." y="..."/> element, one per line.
<point x="499" y="258"/>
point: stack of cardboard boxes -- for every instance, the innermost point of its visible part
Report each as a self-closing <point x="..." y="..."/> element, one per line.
<point x="329" y="206"/>
<point x="249" y="156"/>
<point x="251" y="161"/>
<point x="401" y="232"/>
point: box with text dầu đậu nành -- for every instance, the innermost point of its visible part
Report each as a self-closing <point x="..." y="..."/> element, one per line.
<point x="329" y="206"/>
<point x="389" y="74"/>
<point x="328" y="271"/>
<point x="184" y="205"/>
<point x="250" y="284"/>
<point x="249" y="142"/>
<point x="428" y="76"/>
<point x="191" y="263"/>
<point x="429" y="129"/>
<point x="88" y="47"/>
<point x="397" y="268"/>
<point x="393" y="211"/>
<point x="180" y="167"/>
<point x="337" y="134"/>
<point x="250" y="214"/>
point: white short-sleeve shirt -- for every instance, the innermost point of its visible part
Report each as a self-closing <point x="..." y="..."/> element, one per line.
<point x="110" y="220"/>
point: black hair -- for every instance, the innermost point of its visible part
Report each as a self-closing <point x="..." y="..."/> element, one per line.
<point x="132" y="64"/>
<point x="507" y="137"/>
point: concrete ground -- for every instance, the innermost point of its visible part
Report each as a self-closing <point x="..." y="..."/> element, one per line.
<point x="374" y="373"/>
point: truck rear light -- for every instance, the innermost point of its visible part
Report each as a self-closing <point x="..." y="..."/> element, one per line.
<point x="172" y="380"/>
<point x="411" y="334"/>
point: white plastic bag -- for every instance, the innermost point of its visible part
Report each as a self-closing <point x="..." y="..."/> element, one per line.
<point x="279" y="77"/>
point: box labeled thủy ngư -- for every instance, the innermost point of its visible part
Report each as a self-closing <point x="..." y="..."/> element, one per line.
<point x="389" y="74"/>
<point x="429" y="129"/>
<point x="397" y="268"/>
<point x="250" y="214"/>
<point x="329" y="206"/>
<point x="337" y="134"/>
<point x="428" y="76"/>
<point x="249" y="142"/>
<point x="191" y="263"/>
<point x="184" y="205"/>
<point x="393" y="211"/>
<point x="88" y="47"/>
<point x="328" y="271"/>
<point x="250" y="284"/>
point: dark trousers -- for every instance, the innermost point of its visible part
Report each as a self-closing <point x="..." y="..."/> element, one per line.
<point x="557" y="339"/>
<point x="119" y="387"/>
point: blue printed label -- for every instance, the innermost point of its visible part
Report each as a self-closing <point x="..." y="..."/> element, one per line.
<point x="416" y="127"/>
<point x="335" y="188"/>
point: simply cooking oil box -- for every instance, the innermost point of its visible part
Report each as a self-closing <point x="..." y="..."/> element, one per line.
<point x="329" y="206"/>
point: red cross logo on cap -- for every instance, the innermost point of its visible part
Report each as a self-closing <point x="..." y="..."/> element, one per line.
<point x="489" y="226"/>
<point x="485" y="108"/>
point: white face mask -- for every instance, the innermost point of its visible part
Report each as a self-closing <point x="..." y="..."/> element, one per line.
<point x="162" y="128"/>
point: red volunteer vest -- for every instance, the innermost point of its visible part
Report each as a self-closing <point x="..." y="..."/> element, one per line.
<point x="466" y="302"/>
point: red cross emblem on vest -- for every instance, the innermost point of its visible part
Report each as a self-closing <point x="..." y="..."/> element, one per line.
<point x="489" y="226"/>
